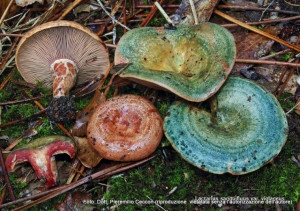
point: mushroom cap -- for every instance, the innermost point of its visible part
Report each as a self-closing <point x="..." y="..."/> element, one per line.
<point x="44" y="44"/>
<point x="24" y="3"/>
<point x="246" y="130"/>
<point x="192" y="61"/>
<point x="125" y="128"/>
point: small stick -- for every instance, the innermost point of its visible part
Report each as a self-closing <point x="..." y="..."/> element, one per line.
<point x="3" y="194"/>
<point x="151" y="14"/>
<point x="6" y="58"/>
<point x="6" y="11"/>
<point x="264" y="22"/>
<point x="21" y="101"/>
<point x="267" y="62"/>
<point x="283" y="79"/>
<point x="95" y="80"/>
<point x="103" y="8"/>
<point x="10" y="190"/>
<point x="124" y="17"/>
<point x="99" y="175"/>
<point x="275" y="54"/>
<point x="22" y="119"/>
<point x="69" y="8"/>
<point x="60" y="189"/>
<point x="6" y="80"/>
<point x="173" y="6"/>
<point x="75" y="165"/>
<point x="164" y="13"/>
<point x="11" y="35"/>
<point x="256" y="8"/>
<point x="58" y="124"/>
<point x="82" y="167"/>
<point x="27" y="133"/>
<point x="227" y="17"/>
<point x="194" y="12"/>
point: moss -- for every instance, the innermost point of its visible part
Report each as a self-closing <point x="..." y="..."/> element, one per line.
<point x="286" y="101"/>
<point x="162" y="107"/>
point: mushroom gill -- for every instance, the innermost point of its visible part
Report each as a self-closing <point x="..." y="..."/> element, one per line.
<point x="245" y="129"/>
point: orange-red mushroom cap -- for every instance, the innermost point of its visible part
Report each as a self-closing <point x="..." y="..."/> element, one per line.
<point x="125" y="128"/>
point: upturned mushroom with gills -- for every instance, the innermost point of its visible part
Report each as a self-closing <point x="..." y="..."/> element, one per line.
<point x="62" y="54"/>
<point x="245" y="129"/>
<point x="40" y="153"/>
<point x="192" y="62"/>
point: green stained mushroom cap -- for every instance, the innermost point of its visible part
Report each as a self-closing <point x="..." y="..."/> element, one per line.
<point x="245" y="129"/>
<point x="191" y="61"/>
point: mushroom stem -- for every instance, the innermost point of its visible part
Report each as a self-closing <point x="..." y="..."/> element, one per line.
<point x="64" y="76"/>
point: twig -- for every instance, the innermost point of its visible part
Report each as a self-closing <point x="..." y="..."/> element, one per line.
<point x="283" y="79"/>
<point x="58" y="124"/>
<point x="151" y="14"/>
<point x="6" y="80"/>
<point x="11" y="35"/>
<point x="256" y="8"/>
<point x="27" y="133"/>
<point x="21" y="101"/>
<point x="11" y="193"/>
<point x="275" y="54"/>
<point x="102" y="6"/>
<point x="163" y="13"/>
<point x="62" y="189"/>
<point x="289" y="3"/>
<point x="227" y="17"/>
<point x="5" y="12"/>
<point x="262" y="14"/>
<point x="22" y="119"/>
<point x="292" y="108"/>
<point x="95" y="80"/>
<point x="264" y="22"/>
<point x="267" y="62"/>
<point x="194" y="12"/>
<point x="69" y="8"/>
<point x="3" y="193"/>
<point x="75" y="165"/>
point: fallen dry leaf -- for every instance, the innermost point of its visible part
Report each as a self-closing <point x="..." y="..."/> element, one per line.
<point x="85" y="153"/>
<point x="184" y="14"/>
<point x="253" y="46"/>
<point x="12" y="10"/>
<point x="75" y="201"/>
<point x="82" y="117"/>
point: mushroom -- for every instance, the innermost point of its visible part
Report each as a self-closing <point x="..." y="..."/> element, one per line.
<point x="40" y="154"/>
<point x="61" y="54"/>
<point x="125" y="128"/>
<point x="246" y="129"/>
<point x="24" y="3"/>
<point x="191" y="61"/>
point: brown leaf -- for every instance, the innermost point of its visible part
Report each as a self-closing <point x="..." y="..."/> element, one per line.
<point x="75" y="201"/>
<point x="297" y="108"/>
<point x="253" y="46"/>
<point x="204" y="9"/>
<point x="82" y="117"/>
<point x="85" y="153"/>
<point x="12" y="10"/>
